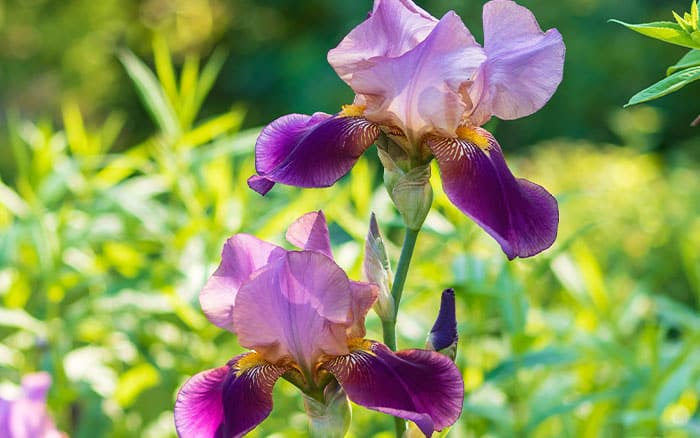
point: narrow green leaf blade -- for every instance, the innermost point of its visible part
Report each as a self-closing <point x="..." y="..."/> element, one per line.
<point x="666" y="86"/>
<point x="690" y="59"/>
<point x="151" y="93"/>
<point x="663" y="30"/>
<point x="208" y="76"/>
<point x="164" y="67"/>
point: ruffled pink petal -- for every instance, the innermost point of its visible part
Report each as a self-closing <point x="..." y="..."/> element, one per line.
<point x="242" y="255"/>
<point x="310" y="232"/>
<point x="309" y="151"/>
<point x="363" y="296"/>
<point x="297" y="307"/>
<point x="521" y="216"/>
<point x="392" y="28"/>
<point x="524" y="65"/>
<point x="226" y="402"/>
<point x="423" y="90"/>
<point x="422" y="386"/>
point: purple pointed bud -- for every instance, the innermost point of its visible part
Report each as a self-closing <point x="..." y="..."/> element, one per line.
<point x="330" y="417"/>
<point x="443" y="336"/>
<point x="378" y="270"/>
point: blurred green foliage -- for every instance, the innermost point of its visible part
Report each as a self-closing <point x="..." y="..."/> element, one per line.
<point x="111" y="220"/>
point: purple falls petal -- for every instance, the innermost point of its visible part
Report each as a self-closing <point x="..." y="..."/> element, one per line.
<point x="524" y="65"/>
<point x="298" y="308"/>
<point x="226" y="402"/>
<point x="242" y="255"/>
<point x="419" y="385"/>
<point x="310" y="232"/>
<point x="423" y="89"/>
<point x="309" y="151"/>
<point x="522" y="216"/>
<point x="444" y="331"/>
<point x="392" y="28"/>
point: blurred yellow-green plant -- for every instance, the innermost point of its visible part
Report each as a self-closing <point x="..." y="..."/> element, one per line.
<point x="103" y="253"/>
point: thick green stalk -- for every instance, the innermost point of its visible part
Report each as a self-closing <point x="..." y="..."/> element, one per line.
<point x="389" y="326"/>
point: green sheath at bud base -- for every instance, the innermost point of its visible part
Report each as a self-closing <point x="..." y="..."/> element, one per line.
<point x="410" y="190"/>
<point x="331" y="418"/>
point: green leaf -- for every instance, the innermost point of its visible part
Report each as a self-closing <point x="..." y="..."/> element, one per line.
<point x="694" y="16"/>
<point x="208" y="76"/>
<point x="682" y="22"/>
<point x="547" y="356"/>
<point x="151" y="93"/>
<point x="666" y="86"/>
<point x="663" y="30"/>
<point x="164" y="67"/>
<point x="691" y="59"/>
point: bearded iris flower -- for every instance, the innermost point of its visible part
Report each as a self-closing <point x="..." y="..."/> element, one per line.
<point x="303" y="319"/>
<point x="426" y="86"/>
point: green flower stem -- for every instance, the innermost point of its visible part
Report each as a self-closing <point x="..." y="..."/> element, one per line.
<point x="389" y="326"/>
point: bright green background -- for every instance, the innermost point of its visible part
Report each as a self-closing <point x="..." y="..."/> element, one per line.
<point x="110" y="223"/>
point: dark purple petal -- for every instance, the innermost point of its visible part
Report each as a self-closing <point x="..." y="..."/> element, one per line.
<point x="242" y="255"/>
<point x="444" y="331"/>
<point x="419" y="385"/>
<point x="521" y="216"/>
<point x="310" y="232"/>
<point x="226" y="402"/>
<point x="309" y="151"/>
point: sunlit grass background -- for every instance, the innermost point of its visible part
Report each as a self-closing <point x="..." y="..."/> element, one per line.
<point x="121" y="175"/>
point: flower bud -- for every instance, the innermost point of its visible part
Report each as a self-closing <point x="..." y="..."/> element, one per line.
<point x="409" y="190"/>
<point x="330" y="418"/>
<point x="378" y="270"/>
<point x="443" y="336"/>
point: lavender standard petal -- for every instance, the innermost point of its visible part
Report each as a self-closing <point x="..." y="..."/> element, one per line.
<point x="422" y="386"/>
<point x="422" y="90"/>
<point x="522" y="216"/>
<point x="298" y="307"/>
<point x="241" y="256"/>
<point x="392" y="28"/>
<point x="310" y="232"/>
<point x="524" y="65"/>
<point x="309" y="151"/>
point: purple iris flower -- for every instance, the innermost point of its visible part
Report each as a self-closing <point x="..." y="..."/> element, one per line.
<point x="304" y="320"/>
<point x="26" y="416"/>
<point x="427" y="86"/>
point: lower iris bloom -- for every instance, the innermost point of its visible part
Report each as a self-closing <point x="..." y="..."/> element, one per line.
<point x="425" y="87"/>
<point x="303" y="319"/>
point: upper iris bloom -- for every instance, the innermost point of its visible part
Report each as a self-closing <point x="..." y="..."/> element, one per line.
<point x="304" y="319"/>
<point x="425" y="87"/>
<point x="27" y="416"/>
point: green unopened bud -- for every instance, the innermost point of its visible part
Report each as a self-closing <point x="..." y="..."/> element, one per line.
<point x="331" y="417"/>
<point x="410" y="190"/>
<point x="378" y="270"/>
